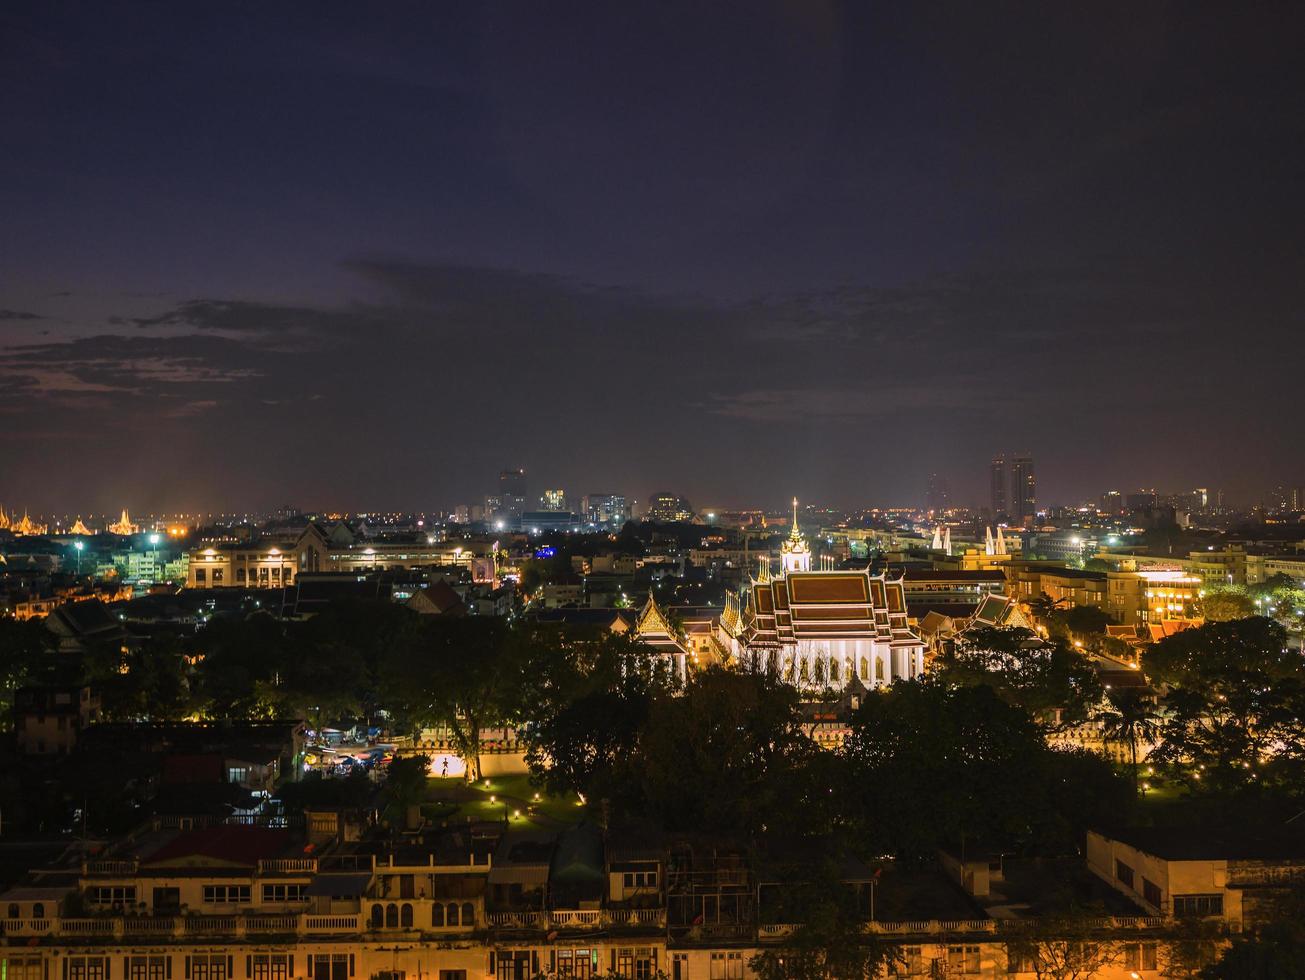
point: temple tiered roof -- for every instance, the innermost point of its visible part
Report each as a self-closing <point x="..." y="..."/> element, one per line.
<point x="654" y="630"/>
<point x="124" y="526"/>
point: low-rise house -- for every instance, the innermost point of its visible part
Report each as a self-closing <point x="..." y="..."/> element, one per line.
<point x="1233" y="876"/>
<point x="48" y="720"/>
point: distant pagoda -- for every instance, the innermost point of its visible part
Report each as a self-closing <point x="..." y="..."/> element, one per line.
<point x="124" y="526"/>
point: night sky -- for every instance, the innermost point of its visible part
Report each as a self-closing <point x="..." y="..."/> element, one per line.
<point x="366" y="255"/>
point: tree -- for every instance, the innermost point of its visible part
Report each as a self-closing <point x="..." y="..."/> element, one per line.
<point x="1275" y="952"/>
<point x="1044" y="678"/>
<point x="1221" y="603"/>
<point x="721" y="757"/>
<point x="242" y="661"/>
<point x="405" y="786"/>
<point x="831" y="941"/>
<point x="26" y="655"/>
<point x="589" y="699"/>
<point x="1130" y="718"/>
<point x="1086" y="620"/>
<point x="465" y="674"/>
<point x="1234" y="702"/>
<point x="1063" y="949"/>
<point x="155" y="685"/>
<point x="964" y="753"/>
<point x="334" y="659"/>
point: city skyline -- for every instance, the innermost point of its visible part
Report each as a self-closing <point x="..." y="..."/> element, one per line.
<point x="251" y="258"/>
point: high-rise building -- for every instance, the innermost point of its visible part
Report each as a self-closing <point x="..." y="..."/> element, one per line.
<point x="936" y="494"/>
<point x="1143" y="499"/>
<point x="668" y="507"/>
<point x="1112" y="502"/>
<point x="553" y="500"/>
<point x="606" y="509"/>
<point x="512" y="492"/>
<point x="1023" y="489"/>
<point x="997" y="476"/>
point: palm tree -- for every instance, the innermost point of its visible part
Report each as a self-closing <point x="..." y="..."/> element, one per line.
<point x="1132" y="717"/>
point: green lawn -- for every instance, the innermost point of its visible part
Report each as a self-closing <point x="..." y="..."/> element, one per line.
<point x="499" y="796"/>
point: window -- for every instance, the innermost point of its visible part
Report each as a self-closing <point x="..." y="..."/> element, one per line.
<point x="217" y="576"/>
<point x="637" y="963"/>
<point x="962" y="959"/>
<point x="1124" y="873"/>
<point x="391" y="916"/>
<point x="115" y="895"/>
<point x="726" y="966"/>
<point x="451" y="914"/>
<point x="405" y="916"/>
<point x="200" y="576"/>
<point x="453" y="975"/>
<point x="1140" y="956"/>
<point x="1198" y="905"/>
<point x="86" y="967"/>
<point x="330" y="966"/>
<point x="24" y="967"/>
<point x="468" y="914"/>
<point x="145" y="967"/>
<point x="284" y="893"/>
<point x="237" y="774"/>
<point x="378" y="917"/>
<point x="226" y="894"/>
<point x="210" y="967"/>
<point x="679" y="966"/>
<point x="437" y="915"/>
<point x="1151" y="892"/>
<point x="512" y="965"/>
<point x="270" y="966"/>
<point x="13" y="910"/>
<point x="640" y="879"/>
<point x="1021" y="960"/>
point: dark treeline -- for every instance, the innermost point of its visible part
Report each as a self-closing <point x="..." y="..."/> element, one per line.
<point x="962" y="755"/>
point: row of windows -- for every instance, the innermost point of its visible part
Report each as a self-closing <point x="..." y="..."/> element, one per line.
<point x="641" y="879"/>
<point x="204" y="966"/>
<point x="1199" y="905"/>
<point x="726" y="966"/>
<point x="219" y="575"/>
<point x="394" y="916"/>
<point x="112" y="895"/>
<point x="969" y="960"/>
<point x="285" y="893"/>
<point x="634" y="963"/>
<point x="226" y="894"/>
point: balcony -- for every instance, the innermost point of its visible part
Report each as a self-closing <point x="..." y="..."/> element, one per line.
<point x="110" y="869"/>
<point x="183" y="927"/>
<point x="778" y="932"/>
<point x="287" y="866"/>
<point x="581" y="920"/>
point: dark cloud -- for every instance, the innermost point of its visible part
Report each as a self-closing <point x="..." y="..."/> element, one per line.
<point x="19" y="315"/>
<point x="247" y="317"/>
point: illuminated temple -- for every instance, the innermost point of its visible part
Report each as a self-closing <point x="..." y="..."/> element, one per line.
<point x="824" y="627"/>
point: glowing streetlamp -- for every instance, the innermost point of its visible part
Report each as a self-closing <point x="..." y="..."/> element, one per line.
<point x="79" y="545"/>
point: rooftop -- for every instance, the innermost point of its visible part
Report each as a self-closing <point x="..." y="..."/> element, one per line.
<point x="1278" y="842"/>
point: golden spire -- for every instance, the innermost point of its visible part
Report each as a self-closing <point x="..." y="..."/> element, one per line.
<point x="794" y="533"/>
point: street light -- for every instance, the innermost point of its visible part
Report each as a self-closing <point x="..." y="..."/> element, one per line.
<point x="79" y="545"/>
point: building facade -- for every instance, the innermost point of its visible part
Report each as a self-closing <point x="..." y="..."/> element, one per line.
<point x="821" y="628"/>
